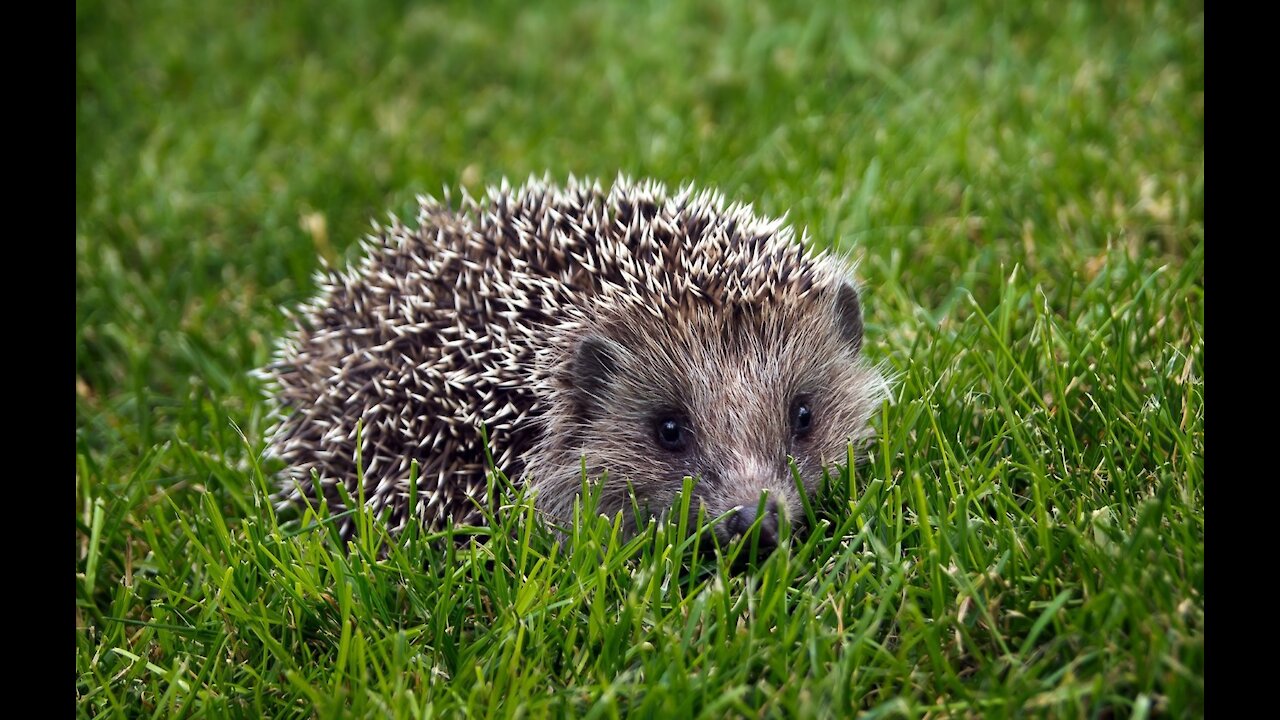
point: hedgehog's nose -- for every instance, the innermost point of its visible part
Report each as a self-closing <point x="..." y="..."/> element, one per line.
<point x="739" y="524"/>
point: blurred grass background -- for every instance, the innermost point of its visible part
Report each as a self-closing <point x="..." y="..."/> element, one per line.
<point x="1022" y="182"/>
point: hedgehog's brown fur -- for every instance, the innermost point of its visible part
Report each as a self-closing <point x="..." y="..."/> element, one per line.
<point x="567" y="321"/>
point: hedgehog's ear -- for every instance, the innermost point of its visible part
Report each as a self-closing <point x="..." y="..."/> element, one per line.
<point x="849" y="315"/>
<point x="595" y="363"/>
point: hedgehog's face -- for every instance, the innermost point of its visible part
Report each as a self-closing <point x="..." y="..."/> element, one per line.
<point x="728" y="396"/>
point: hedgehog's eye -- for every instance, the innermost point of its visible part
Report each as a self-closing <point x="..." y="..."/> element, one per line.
<point x="801" y="418"/>
<point x="671" y="434"/>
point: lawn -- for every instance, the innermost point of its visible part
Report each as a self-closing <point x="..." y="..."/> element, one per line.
<point x="1023" y="185"/>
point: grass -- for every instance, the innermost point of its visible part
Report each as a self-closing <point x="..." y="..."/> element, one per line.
<point x="1024" y="186"/>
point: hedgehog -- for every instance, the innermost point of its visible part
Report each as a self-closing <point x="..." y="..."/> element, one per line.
<point x="627" y="335"/>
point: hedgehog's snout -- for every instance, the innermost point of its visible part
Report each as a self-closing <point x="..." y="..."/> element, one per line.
<point x="744" y="518"/>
